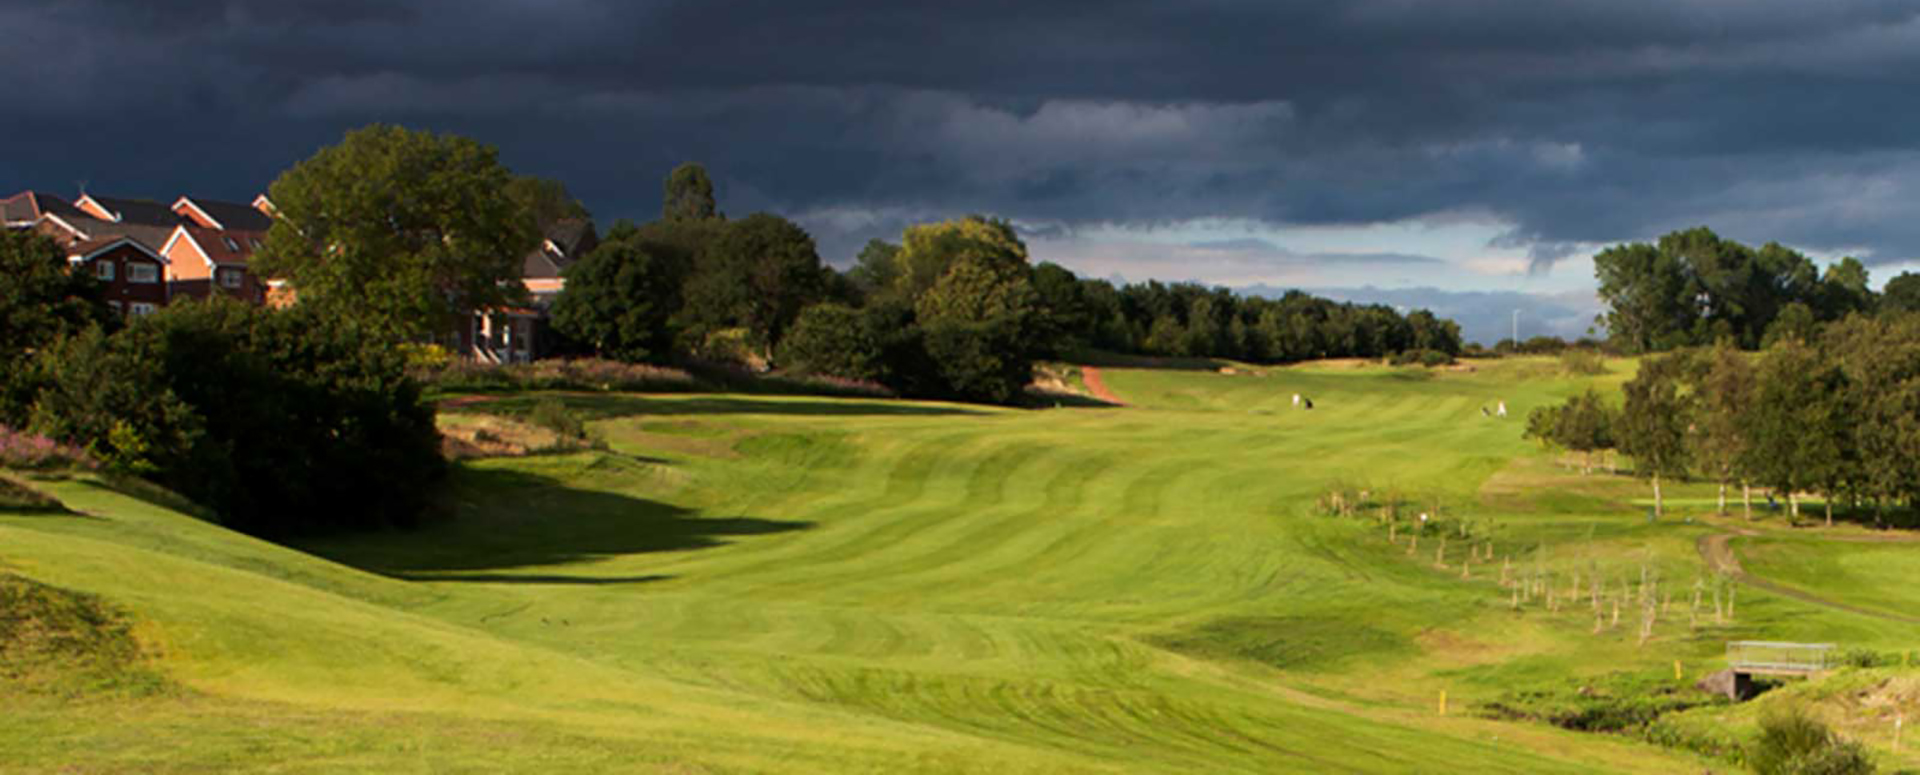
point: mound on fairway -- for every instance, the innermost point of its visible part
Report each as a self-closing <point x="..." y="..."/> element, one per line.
<point x="812" y="585"/>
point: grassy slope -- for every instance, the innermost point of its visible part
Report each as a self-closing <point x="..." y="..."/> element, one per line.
<point x="763" y="584"/>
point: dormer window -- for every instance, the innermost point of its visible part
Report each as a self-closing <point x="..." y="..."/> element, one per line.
<point x="255" y="242"/>
<point x="229" y="278"/>
<point x="232" y="247"/>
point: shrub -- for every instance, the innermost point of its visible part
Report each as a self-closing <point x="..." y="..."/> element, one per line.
<point x="279" y="421"/>
<point x="581" y="374"/>
<point x="1794" y="743"/>
<point x="32" y="452"/>
<point x="1428" y="358"/>
<point x="551" y="414"/>
<point x="1581" y="361"/>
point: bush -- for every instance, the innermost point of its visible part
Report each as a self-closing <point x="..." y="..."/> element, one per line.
<point x="1427" y="358"/>
<point x="582" y="374"/>
<point x="24" y="451"/>
<point x="1794" y="743"/>
<point x="551" y="414"/>
<point x="1580" y="361"/>
<point x="279" y="421"/>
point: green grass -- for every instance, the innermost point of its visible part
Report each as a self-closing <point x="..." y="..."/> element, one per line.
<point x="778" y="584"/>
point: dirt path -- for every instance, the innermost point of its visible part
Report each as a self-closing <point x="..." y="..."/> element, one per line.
<point x="1717" y="551"/>
<point x="1097" y="386"/>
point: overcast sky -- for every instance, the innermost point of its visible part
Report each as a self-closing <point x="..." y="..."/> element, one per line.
<point x="1465" y="155"/>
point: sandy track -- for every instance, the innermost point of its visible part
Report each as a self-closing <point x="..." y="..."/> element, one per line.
<point x="1097" y="386"/>
<point x="1717" y="551"/>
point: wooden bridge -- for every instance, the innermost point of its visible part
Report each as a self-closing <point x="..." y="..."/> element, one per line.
<point x="1748" y="658"/>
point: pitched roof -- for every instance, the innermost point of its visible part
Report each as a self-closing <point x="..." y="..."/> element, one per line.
<point x="87" y="249"/>
<point x="565" y="244"/>
<point x="26" y="207"/>
<point x="84" y="227"/>
<point x="142" y="212"/>
<point x="229" y="215"/>
<point x="230" y="247"/>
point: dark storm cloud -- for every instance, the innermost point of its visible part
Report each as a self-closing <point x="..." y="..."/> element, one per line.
<point x="1564" y="122"/>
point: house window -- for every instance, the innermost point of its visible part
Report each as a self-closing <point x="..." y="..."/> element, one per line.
<point x="142" y="308"/>
<point x="115" y="306"/>
<point x="229" y="278"/>
<point x="143" y="273"/>
<point x="255" y="243"/>
<point x="103" y="270"/>
<point x="232" y="247"/>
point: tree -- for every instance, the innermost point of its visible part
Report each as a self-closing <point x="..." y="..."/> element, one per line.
<point x="1647" y="292"/>
<point x="1844" y="290"/>
<point x="620" y="299"/>
<point x="41" y="301"/>
<point x="875" y="268"/>
<point x="280" y="421"/>
<point x="1063" y="321"/>
<point x="1796" y="323"/>
<point x="1725" y="387"/>
<point x="403" y="231"/>
<point x="758" y="273"/>
<point x="1585" y="425"/>
<point x="1902" y="294"/>
<point x="928" y="250"/>
<point x="689" y="195"/>
<point x="1799" y="423"/>
<point x="1653" y="424"/>
<point x="835" y="340"/>
<point x="547" y="201"/>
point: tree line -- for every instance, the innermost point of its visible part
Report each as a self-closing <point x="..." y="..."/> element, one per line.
<point x="1837" y="415"/>
<point x="954" y="310"/>
<point x="1693" y="288"/>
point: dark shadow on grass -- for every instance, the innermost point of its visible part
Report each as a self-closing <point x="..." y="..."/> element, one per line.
<point x="1124" y="361"/>
<point x="498" y="520"/>
<point x="1038" y="400"/>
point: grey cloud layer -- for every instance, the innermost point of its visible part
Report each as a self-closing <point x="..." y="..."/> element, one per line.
<point x="1568" y="122"/>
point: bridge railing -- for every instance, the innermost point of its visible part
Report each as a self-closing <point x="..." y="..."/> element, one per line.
<point x="1761" y="656"/>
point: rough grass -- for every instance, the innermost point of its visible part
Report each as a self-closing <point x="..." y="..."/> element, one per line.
<point x="763" y="584"/>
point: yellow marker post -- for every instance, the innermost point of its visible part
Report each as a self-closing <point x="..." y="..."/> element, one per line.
<point x="1443" y="702"/>
<point x="1676" y="670"/>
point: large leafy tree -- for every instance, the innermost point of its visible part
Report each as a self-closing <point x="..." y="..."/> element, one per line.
<point x="758" y="273"/>
<point x="1653" y="423"/>
<point x="620" y="298"/>
<point x="404" y="231"/>
<point x="1648" y="294"/>
<point x="1799" y="424"/>
<point x="547" y="201"/>
<point x="1724" y="383"/>
<point x="688" y="195"/>
<point x="1902" y="294"/>
<point x="41" y="301"/>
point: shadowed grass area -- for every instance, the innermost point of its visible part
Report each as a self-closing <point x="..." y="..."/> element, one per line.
<point x="773" y="584"/>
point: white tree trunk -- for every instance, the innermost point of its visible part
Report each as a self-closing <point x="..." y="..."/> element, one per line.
<point x="1659" y="509"/>
<point x="1746" y="498"/>
<point x="1793" y="505"/>
<point x="1723" y="498"/>
<point x="1829" y="509"/>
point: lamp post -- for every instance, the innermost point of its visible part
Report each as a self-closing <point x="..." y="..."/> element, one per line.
<point x="1516" y="330"/>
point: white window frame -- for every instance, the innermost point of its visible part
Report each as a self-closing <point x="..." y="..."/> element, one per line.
<point x="232" y="247"/>
<point x="103" y="269"/>
<point x="222" y="275"/>
<point x="134" y="273"/>
<point x="115" y="306"/>
<point x="142" y="308"/>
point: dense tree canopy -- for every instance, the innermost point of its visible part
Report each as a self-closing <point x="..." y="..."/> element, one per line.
<point x="41" y="301"/>
<point x="400" y="230"/>
<point x="689" y="195"/>
<point x="756" y="273"/>
<point x="621" y="297"/>
<point x="1693" y="287"/>
<point x="279" y="421"/>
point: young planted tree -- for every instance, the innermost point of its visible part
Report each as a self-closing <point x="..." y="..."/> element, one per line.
<point x="401" y="231"/>
<point x="1724" y="386"/>
<point x="1653" y="424"/>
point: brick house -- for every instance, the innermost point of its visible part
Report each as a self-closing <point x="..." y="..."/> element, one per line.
<point x="132" y="274"/>
<point x="206" y="261"/>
